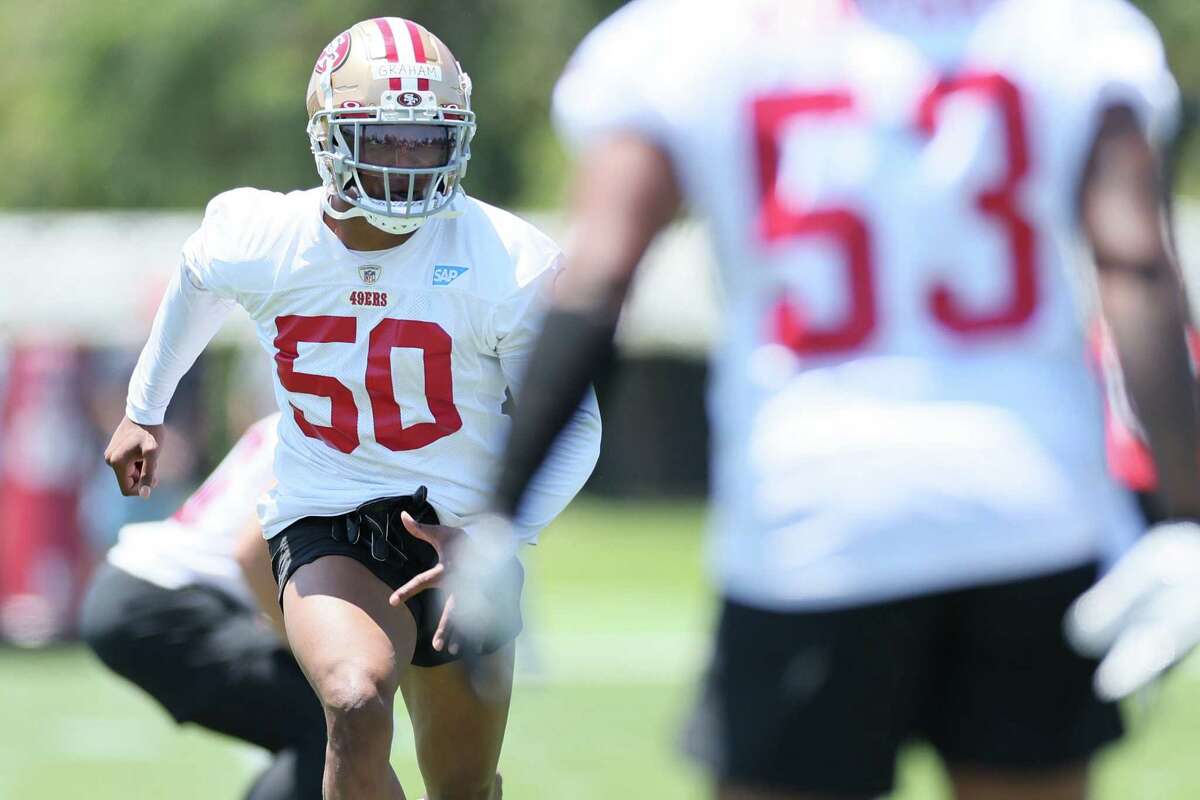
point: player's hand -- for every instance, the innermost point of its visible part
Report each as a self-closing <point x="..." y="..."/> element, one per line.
<point x="468" y="567"/>
<point x="133" y="454"/>
<point x="1145" y="614"/>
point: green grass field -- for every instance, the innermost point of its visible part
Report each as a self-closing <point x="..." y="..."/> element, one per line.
<point x="618" y="617"/>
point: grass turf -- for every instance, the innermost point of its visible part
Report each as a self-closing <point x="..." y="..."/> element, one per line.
<point x="618" y="616"/>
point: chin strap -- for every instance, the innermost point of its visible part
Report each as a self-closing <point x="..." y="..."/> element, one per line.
<point x="384" y="223"/>
<point x="349" y="213"/>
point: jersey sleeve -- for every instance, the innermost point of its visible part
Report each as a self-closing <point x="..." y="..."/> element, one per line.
<point x="515" y="328"/>
<point x="195" y="305"/>
<point x="213" y="257"/>
<point x="568" y="464"/>
<point x="1123" y="62"/>
<point x="186" y="322"/>
<point x="516" y="320"/>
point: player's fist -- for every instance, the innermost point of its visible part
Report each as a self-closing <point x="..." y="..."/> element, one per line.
<point x="133" y="454"/>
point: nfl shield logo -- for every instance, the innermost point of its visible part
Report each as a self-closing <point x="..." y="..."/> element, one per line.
<point x="369" y="273"/>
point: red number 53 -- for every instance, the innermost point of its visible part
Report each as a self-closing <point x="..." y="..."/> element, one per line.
<point x="778" y="221"/>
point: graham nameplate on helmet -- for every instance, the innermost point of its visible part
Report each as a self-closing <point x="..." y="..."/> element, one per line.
<point x="384" y="69"/>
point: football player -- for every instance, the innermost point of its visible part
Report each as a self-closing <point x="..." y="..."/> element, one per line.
<point x="176" y="609"/>
<point x="398" y="312"/>
<point x="910" y="482"/>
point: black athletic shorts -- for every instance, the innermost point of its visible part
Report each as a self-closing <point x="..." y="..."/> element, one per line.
<point x="821" y="702"/>
<point x="311" y="538"/>
<point x="206" y="658"/>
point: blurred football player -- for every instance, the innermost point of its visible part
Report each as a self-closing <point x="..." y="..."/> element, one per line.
<point x="399" y="312"/>
<point x="176" y="608"/>
<point x="909" y="472"/>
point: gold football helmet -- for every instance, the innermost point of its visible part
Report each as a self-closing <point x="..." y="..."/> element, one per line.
<point x="390" y="123"/>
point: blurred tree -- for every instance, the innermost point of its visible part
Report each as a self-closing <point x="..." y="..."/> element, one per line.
<point x="1179" y="23"/>
<point x="143" y="103"/>
<point x="146" y="103"/>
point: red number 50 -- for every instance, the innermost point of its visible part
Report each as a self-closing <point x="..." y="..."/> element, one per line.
<point x="342" y="432"/>
<point x="778" y="221"/>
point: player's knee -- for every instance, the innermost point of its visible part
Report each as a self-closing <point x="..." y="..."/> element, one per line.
<point x="358" y="709"/>
<point x="463" y="784"/>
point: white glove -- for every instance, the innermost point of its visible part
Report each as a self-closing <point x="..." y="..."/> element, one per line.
<point x="481" y="576"/>
<point x="1144" y="615"/>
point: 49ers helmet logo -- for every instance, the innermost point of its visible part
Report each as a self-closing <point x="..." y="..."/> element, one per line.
<point x="334" y="54"/>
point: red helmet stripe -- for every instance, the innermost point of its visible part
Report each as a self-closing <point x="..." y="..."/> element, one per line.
<point x="418" y="45"/>
<point x="389" y="45"/>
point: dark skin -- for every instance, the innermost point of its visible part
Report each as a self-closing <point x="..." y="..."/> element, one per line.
<point x="355" y="647"/>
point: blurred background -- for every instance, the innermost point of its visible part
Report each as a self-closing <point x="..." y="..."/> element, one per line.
<point x="124" y="118"/>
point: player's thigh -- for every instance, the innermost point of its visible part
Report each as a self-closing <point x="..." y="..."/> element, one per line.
<point x="1015" y="703"/>
<point x="974" y="783"/>
<point x="733" y="792"/>
<point x="814" y="703"/>
<point x="158" y="638"/>
<point x="342" y="630"/>
<point x="458" y="717"/>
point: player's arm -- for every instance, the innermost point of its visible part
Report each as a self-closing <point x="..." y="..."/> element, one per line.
<point x="1143" y="301"/>
<point x="625" y="193"/>
<point x="568" y="463"/>
<point x="1145" y="614"/>
<point x="187" y="319"/>
<point x="251" y="553"/>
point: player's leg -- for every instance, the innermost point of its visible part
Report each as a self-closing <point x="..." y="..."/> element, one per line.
<point x="975" y="783"/>
<point x="353" y="647"/>
<point x="727" y="792"/>
<point x="458" y="720"/>
<point x="208" y="660"/>
<point x="812" y="705"/>
<point x="146" y="633"/>
<point x="266" y="699"/>
<point x="1018" y="714"/>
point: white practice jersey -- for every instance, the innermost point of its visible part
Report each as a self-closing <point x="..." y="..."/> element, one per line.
<point x="390" y="367"/>
<point x="901" y="399"/>
<point x="196" y="545"/>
